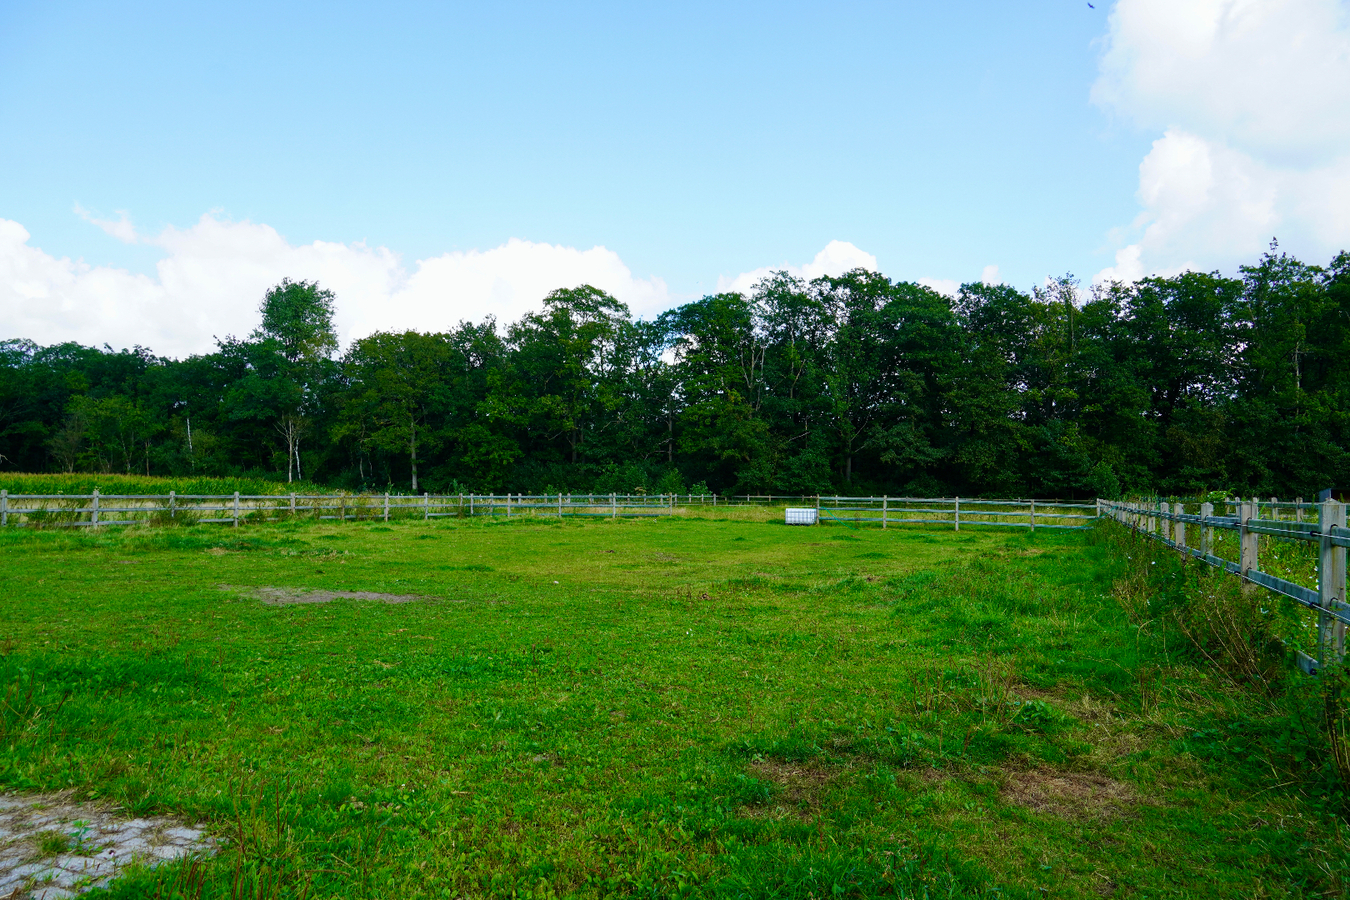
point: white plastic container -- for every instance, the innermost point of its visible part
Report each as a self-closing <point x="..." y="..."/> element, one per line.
<point x="800" y="516"/>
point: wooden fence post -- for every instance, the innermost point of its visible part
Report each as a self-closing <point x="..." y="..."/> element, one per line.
<point x="1206" y="530"/>
<point x="1298" y="509"/>
<point x="1249" y="548"/>
<point x="386" y="506"/>
<point x="957" y="518"/>
<point x="4" y="508"/>
<point x="173" y="497"/>
<point x="470" y="505"/>
<point x="885" y="509"/>
<point x="342" y="516"/>
<point x="292" y="504"/>
<point x="1331" y="583"/>
<point x="93" y="515"/>
<point x="235" y="523"/>
<point x="1033" y="516"/>
<point x="426" y="506"/>
<point x="613" y="506"/>
<point x="1179" y="509"/>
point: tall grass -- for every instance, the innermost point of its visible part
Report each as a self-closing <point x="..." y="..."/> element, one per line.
<point x="1247" y="638"/>
<point x="86" y="483"/>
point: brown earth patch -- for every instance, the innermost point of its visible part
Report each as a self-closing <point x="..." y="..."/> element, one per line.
<point x="800" y="787"/>
<point x="1069" y="795"/>
<point x="278" y="596"/>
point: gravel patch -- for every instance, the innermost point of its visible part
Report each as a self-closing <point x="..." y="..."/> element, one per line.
<point x="52" y="847"/>
<point x="280" y="596"/>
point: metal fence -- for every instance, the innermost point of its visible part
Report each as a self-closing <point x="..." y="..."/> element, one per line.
<point x="1321" y="525"/>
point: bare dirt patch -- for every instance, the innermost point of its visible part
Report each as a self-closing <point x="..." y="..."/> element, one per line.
<point x="800" y="787"/>
<point x="279" y="596"/>
<point x="52" y="847"/>
<point x="1069" y="795"/>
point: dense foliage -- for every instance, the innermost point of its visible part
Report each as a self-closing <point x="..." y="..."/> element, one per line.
<point x="856" y="383"/>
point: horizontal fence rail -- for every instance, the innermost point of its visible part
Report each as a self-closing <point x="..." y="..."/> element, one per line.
<point x="1321" y="525"/>
<point x="955" y="512"/>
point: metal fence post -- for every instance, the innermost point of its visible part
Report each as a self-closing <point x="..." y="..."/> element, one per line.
<point x="1330" y="582"/>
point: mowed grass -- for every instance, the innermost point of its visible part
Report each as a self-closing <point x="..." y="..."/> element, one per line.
<point x="693" y="706"/>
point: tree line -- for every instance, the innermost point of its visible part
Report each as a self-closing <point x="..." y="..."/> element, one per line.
<point x="854" y="384"/>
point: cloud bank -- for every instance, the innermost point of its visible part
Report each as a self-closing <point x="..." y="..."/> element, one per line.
<point x="1252" y="99"/>
<point x="213" y="275"/>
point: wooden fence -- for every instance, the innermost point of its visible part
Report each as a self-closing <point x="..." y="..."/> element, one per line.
<point x="75" y="510"/>
<point x="62" y="510"/>
<point x="955" y="511"/>
<point x="1247" y="521"/>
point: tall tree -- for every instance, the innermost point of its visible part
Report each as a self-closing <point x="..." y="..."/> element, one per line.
<point x="397" y="383"/>
<point x="288" y="357"/>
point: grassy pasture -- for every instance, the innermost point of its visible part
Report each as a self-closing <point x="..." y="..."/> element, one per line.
<point x="705" y="705"/>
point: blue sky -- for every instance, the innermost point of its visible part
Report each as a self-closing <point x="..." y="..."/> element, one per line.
<point x="694" y="143"/>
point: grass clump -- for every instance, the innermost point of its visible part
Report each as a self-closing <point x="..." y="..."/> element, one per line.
<point x="53" y="843"/>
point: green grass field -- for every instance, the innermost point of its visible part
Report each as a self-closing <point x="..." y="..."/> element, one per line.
<point x="692" y="706"/>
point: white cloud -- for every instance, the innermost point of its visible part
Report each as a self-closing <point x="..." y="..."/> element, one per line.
<point x="1253" y="101"/>
<point x="214" y="274"/>
<point x="122" y="228"/>
<point x="990" y="275"/>
<point x="947" y="286"/>
<point x="837" y="258"/>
